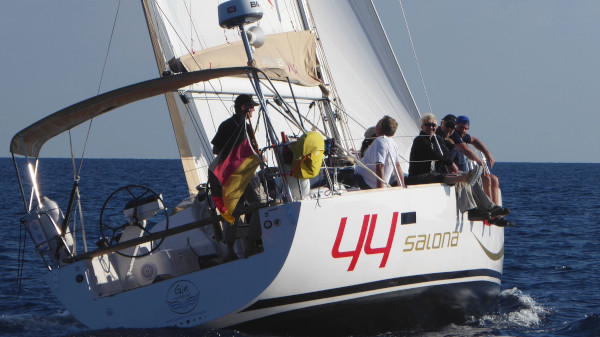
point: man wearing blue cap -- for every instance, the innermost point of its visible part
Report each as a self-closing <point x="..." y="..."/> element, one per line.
<point x="461" y="138"/>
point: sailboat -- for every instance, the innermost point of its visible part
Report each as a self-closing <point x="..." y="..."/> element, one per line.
<point x="328" y="257"/>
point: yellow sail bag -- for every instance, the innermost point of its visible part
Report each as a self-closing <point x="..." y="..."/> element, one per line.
<point x="307" y="155"/>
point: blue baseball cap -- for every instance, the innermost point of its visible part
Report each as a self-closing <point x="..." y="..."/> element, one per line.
<point x="463" y="120"/>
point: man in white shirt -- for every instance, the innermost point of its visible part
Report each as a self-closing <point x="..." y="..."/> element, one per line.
<point x="381" y="157"/>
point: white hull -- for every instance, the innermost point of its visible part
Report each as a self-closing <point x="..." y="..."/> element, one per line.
<point x="309" y="266"/>
<point x="360" y="261"/>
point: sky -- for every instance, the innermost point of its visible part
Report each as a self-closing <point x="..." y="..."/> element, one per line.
<point x="525" y="72"/>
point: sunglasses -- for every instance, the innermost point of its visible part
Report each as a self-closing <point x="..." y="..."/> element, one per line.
<point x="450" y="125"/>
<point x="431" y="125"/>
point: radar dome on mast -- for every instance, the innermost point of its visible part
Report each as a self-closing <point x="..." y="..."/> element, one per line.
<point x="234" y="13"/>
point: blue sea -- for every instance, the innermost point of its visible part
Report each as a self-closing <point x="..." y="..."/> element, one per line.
<point x="550" y="284"/>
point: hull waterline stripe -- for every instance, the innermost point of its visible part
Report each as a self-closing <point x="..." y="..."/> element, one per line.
<point x="400" y="281"/>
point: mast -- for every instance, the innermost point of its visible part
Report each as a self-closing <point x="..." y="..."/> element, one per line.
<point x="185" y="153"/>
<point x="367" y="78"/>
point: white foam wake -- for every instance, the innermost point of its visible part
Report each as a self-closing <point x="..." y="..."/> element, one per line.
<point x="516" y="309"/>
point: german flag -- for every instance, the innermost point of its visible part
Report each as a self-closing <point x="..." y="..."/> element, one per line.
<point x="231" y="171"/>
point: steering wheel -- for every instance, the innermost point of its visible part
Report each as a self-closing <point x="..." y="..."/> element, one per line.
<point x="133" y="196"/>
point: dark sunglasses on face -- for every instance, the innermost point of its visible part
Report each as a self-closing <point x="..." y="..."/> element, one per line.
<point x="431" y="125"/>
<point x="450" y="125"/>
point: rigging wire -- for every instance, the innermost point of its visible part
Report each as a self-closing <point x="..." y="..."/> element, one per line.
<point x="109" y="45"/>
<point x="193" y="117"/>
<point x="99" y="86"/>
<point x="75" y="179"/>
<point x="77" y="171"/>
<point x="193" y="29"/>
<point x="196" y="125"/>
<point x="291" y="20"/>
<point x="190" y="52"/>
<point x="161" y="16"/>
<point x="210" y="112"/>
<point x="158" y="30"/>
<point x="412" y="45"/>
<point x="185" y="46"/>
<point x="21" y="259"/>
<point x="191" y="25"/>
<point x="341" y="108"/>
<point x="342" y="122"/>
<point x="298" y="26"/>
<point x="278" y="15"/>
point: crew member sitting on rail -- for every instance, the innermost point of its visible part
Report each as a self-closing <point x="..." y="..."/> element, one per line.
<point x="428" y="148"/>
<point x="381" y="157"/>
<point x="370" y="136"/>
<point x="461" y="138"/>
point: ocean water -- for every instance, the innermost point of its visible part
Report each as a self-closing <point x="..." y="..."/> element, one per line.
<point x="550" y="284"/>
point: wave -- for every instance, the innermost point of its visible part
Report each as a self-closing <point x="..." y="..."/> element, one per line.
<point x="519" y="313"/>
<point x="588" y="326"/>
<point x="64" y="324"/>
<point x="26" y="325"/>
<point x="515" y="310"/>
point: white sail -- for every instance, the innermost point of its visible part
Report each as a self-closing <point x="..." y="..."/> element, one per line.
<point x="191" y="26"/>
<point x="367" y="76"/>
<point x="187" y="31"/>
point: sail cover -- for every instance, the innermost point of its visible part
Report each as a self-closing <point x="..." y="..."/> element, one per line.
<point x="285" y="55"/>
<point x="364" y="68"/>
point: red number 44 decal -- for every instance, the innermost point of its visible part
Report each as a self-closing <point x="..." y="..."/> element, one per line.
<point x="355" y="254"/>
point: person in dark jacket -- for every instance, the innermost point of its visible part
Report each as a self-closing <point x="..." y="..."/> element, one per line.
<point x="445" y="131"/>
<point x="428" y="149"/>
<point x="244" y="107"/>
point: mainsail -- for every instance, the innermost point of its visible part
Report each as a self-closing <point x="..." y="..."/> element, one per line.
<point x="185" y="31"/>
<point x="354" y="63"/>
<point x="367" y="76"/>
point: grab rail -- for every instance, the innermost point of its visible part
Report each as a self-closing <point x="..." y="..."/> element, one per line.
<point x="162" y="234"/>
